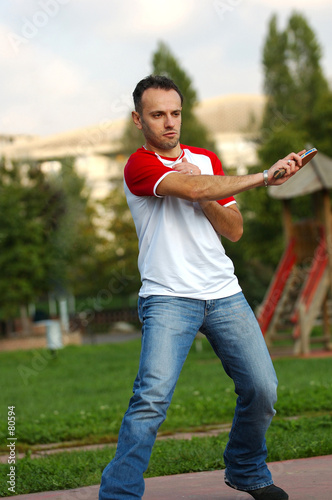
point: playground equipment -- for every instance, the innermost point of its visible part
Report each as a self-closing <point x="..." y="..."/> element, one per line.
<point x="298" y="297"/>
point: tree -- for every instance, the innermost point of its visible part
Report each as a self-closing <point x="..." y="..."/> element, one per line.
<point x="321" y="123"/>
<point x="299" y="103"/>
<point x="296" y="90"/>
<point x="298" y="111"/>
<point x="30" y="210"/>
<point x="47" y="235"/>
<point x="121" y="252"/>
<point x="76" y="243"/>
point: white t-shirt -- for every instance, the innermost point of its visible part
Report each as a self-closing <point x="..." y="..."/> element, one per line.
<point x="180" y="253"/>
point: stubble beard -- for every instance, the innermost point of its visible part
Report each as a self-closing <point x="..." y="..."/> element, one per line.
<point x="162" y="143"/>
<point x="169" y="144"/>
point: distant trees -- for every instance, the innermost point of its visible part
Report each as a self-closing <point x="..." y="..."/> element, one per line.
<point x="298" y="113"/>
<point x="121" y="249"/>
<point x="77" y="241"/>
<point x="30" y="211"/>
<point x="296" y="89"/>
<point x="44" y="233"/>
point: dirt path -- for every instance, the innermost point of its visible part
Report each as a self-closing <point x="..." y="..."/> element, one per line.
<point x="52" y="448"/>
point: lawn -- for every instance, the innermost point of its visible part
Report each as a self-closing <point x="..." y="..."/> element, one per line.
<point x="80" y="397"/>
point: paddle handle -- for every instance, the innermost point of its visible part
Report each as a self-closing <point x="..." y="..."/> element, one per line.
<point x="279" y="173"/>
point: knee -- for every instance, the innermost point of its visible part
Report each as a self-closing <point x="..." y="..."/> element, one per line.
<point x="267" y="396"/>
<point x="148" y="405"/>
<point x="262" y="396"/>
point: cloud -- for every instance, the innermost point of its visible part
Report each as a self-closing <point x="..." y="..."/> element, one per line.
<point x="79" y="65"/>
<point x="44" y="91"/>
<point x="148" y="19"/>
<point x="157" y="15"/>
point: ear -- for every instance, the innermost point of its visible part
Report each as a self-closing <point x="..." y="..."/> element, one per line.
<point x="136" y="119"/>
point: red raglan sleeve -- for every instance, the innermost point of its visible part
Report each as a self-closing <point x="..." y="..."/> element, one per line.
<point x="218" y="170"/>
<point x="143" y="172"/>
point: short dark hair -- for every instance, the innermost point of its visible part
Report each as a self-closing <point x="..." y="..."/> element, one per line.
<point x="153" y="82"/>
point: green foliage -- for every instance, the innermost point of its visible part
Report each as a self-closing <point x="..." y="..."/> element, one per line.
<point x="121" y="252"/>
<point x="321" y="123"/>
<point x="293" y="75"/>
<point x="297" y="91"/>
<point x="30" y="213"/>
<point x="298" y="114"/>
<point x="76" y="243"/>
<point x="277" y="78"/>
<point x="47" y="235"/>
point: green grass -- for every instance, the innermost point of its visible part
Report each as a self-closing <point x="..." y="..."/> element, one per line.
<point x="80" y="396"/>
<point x="83" y="393"/>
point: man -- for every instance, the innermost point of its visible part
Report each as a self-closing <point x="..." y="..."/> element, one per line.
<point x="181" y="203"/>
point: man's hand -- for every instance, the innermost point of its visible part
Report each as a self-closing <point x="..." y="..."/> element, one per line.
<point x="187" y="168"/>
<point x="291" y="163"/>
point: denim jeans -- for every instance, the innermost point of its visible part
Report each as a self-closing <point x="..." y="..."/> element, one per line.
<point x="169" y="327"/>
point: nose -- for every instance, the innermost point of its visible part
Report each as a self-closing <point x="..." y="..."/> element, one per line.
<point x="169" y="121"/>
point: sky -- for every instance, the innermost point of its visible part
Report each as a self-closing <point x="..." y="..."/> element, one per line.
<point x="67" y="64"/>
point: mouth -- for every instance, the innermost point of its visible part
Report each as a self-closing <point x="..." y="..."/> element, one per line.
<point x="170" y="134"/>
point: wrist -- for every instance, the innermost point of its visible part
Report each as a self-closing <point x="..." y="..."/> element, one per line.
<point x="266" y="178"/>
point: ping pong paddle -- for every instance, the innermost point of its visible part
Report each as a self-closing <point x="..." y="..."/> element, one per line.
<point x="306" y="157"/>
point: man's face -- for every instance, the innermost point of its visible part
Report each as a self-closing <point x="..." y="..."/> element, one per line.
<point x="160" y="120"/>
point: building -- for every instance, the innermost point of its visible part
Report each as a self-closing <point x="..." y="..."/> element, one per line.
<point x="233" y="122"/>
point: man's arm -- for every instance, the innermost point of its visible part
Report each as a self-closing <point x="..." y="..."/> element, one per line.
<point x="227" y="221"/>
<point x="216" y="187"/>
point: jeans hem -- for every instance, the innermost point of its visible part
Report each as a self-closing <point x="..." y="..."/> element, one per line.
<point x="252" y="488"/>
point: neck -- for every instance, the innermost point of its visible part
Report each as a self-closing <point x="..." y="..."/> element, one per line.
<point x="168" y="153"/>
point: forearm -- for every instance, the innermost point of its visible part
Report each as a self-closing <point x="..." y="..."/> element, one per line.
<point x="216" y="187"/>
<point x="212" y="188"/>
<point x="207" y="187"/>
<point x="227" y="221"/>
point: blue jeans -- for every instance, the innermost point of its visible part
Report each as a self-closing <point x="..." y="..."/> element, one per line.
<point x="169" y="327"/>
